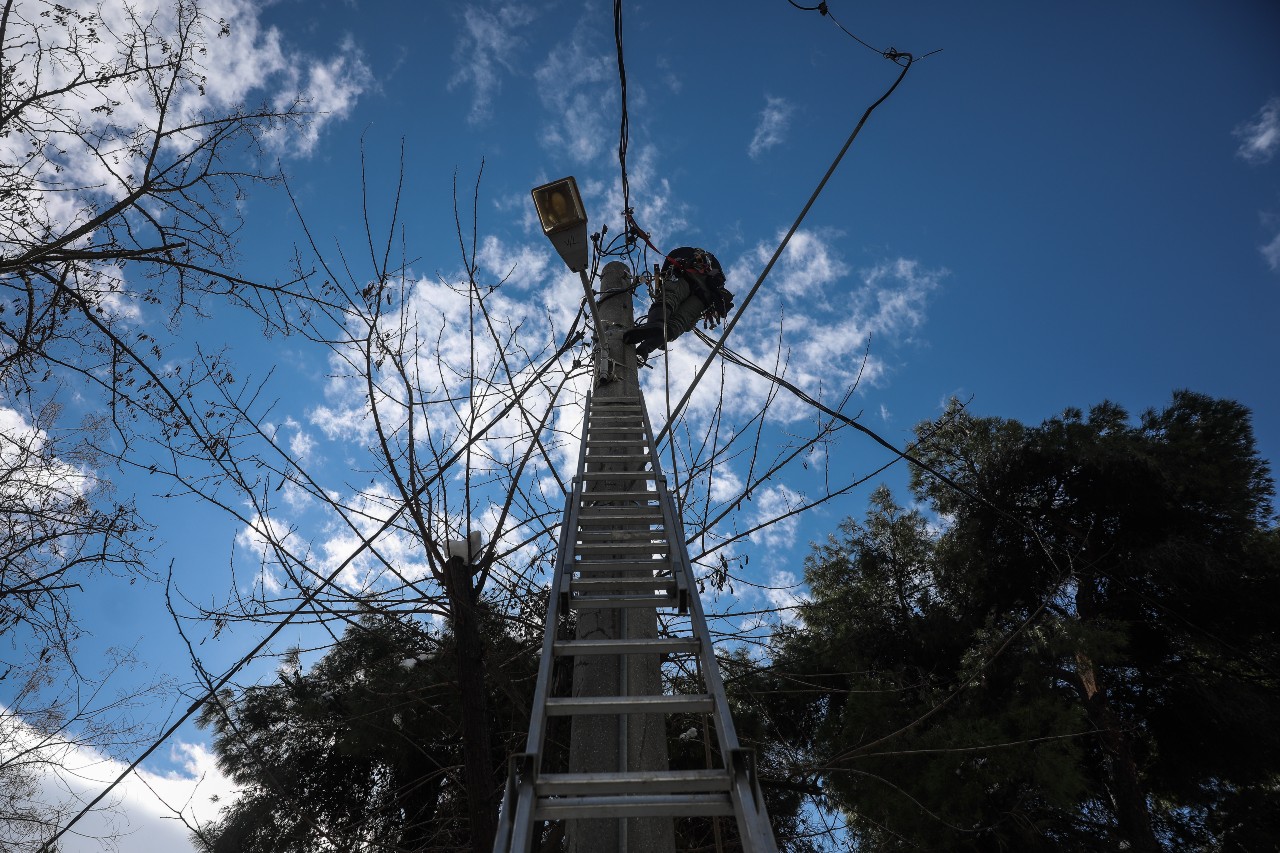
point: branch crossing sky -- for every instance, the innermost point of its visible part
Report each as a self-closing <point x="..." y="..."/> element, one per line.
<point x="1066" y="204"/>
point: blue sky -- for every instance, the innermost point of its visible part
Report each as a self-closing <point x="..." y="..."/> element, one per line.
<point x="1065" y="205"/>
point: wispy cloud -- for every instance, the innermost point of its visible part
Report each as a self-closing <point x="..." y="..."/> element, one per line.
<point x="484" y="51"/>
<point x="1271" y="253"/>
<point x="776" y="502"/>
<point x="669" y="77"/>
<point x="775" y="119"/>
<point x="1260" y="137"/>
<point x="147" y="811"/>
<point x="572" y="83"/>
<point x="331" y="90"/>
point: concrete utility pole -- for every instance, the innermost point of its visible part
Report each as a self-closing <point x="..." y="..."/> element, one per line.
<point x="603" y="744"/>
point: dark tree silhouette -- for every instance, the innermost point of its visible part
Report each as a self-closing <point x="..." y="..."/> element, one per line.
<point x="1080" y="659"/>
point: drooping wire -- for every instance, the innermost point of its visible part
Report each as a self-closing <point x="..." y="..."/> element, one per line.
<point x="891" y="54"/>
<point x="624" y="128"/>
<point x="729" y="326"/>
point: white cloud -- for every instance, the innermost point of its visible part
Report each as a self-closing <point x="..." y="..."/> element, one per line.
<point x="811" y="322"/>
<point x="775" y="119"/>
<point x="1271" y="252"/>
<point x="485" y="50"/>
<point x="573" y="82"/>
<point x="1260" y="138"/>
<point x="33" y="477"/>
<point x="522" y="267"/>
<point x="775" y="502"/>
<point x="330" y="92"/>
<point x="142" y="812"/>
<point x="725" y="485"/>
<point x="81" y="147"/>
<point x="369" y="511"/>
<point x="784" y="592"/>
<point x="669" y="77"/>
<point x="257" y="537"/>
<point x="301" y="444"/>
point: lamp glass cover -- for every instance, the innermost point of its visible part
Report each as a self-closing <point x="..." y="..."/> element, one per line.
<point x="559" y="205"/>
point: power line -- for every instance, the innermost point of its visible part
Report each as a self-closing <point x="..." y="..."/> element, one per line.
<point x="310" y="595"/>
<point x="778" y="252"/>
<point x="891" y="54"/>
<point x="624" y="128"/>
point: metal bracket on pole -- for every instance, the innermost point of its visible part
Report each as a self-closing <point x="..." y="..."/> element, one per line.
<point x="607" y="370"/>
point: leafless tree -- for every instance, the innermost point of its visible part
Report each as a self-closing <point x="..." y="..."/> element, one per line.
<point x="118" y="183"/>
<point x="467" y="402"/>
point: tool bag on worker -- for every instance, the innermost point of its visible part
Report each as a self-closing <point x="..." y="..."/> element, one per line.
<point x="706" y="279"/>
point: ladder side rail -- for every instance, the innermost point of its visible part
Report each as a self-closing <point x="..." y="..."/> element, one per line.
<point x="516" y="819"/>
<point x="522" y="815"/>
<point x="674" y="530"/>
<point x="748" y="802"/>
<point x="564" y="564"/>
<point x="506" y="813"/>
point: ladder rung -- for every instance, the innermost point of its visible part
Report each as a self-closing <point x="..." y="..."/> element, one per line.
<point x="642" y="446"/>
<point x="661" y="547"/>
<point x="597" y="536"/>
<point x="615" y="401"/>
<point x="620" y="496"/>
<point x="633" y="805"/>
<point x="667" y="781"/>
<point x="602" y="584"/>
<point x="632" y="533"/>
<point x="621" y="566"/>
<point x="628" y="514"/>
<point x="609" y="602"/>
<point x="693" y="703"/>
<point x="613" y="457"/>
<point x="620" y="475"/>
<point x="631" y="522"/>
<point x="664" y="645"/>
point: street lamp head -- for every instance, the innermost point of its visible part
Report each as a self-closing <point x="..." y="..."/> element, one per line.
<point x="559" y="205"/>
<point x="563" y="220"/>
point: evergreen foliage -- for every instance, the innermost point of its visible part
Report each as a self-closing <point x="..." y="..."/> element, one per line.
<point x="1082" y="659"/>
<point x="362" y="751"/>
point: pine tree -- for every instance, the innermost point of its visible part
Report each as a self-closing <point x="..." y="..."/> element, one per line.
<point x="363" y="750"/>
<point x="1080" y="659"/>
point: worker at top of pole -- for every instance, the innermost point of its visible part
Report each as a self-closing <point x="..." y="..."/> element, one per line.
<point x="691" y="286"/>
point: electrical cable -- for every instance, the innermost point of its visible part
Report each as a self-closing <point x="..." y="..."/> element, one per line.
<point x="309" y="596"/>
<point x="904" y="455"/>
<point x="778" y="252"/>
<point x="624" y="128"/>
<point x="891" y="54"/>
<point x="733" y="357"/>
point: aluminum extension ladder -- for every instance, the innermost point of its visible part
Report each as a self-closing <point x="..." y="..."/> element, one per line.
<point x="608" y="558"/>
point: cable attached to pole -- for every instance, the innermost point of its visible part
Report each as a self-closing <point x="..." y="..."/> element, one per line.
<point x="778" y="252"/>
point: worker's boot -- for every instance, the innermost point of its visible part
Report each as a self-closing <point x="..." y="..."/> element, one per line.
<point x="647" y="337"/>
<point x="640" y="331"/>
